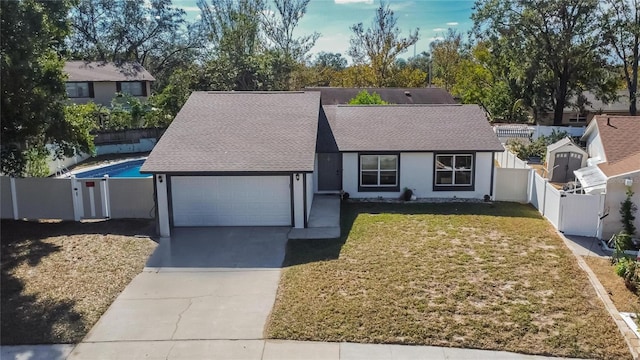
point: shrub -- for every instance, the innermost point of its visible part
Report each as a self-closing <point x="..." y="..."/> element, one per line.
<point x="627" y="213"/>
<point x="627" y="269"/>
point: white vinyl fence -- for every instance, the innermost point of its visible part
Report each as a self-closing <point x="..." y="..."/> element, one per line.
<point x="76" y="199"/>
<point x="572" y="214"/>
<point x="509" y="160"/>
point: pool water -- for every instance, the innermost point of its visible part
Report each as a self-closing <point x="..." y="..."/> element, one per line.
<point x="128" y="169"/>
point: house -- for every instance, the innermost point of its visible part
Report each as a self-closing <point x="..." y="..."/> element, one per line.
<point x="430" y="95"/>
<point x="613" y="145"/>
<point x="258" y="158"/>
<point x="573" y="116"/>
<point x="100" y="81"/>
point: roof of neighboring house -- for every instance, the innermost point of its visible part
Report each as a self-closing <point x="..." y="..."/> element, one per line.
<point x="596" y="105"/>
<point x="106" y="71"/>
<point x="412" y="128"/>
<point x="432" y="95"/>
<point x="240" y="132"/>
<point x="621" y="143"/>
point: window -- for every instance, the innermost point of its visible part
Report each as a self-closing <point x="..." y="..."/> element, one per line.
<point x="134" y="88"/>
<point x="578" y="119"/>
<point x="379" y="173"/>
<point x="454" y="172"/>
<point x="79" y="89"/>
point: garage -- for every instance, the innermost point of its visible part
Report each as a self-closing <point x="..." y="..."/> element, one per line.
<point x="231" y="200"/>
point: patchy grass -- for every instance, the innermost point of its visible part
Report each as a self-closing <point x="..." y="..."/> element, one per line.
<point x="624" y="299"/>
<point x="460" y="275"/>
<point x="58" y="278"/>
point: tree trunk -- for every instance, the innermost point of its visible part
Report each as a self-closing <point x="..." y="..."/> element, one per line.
<point x="561" y="96"/>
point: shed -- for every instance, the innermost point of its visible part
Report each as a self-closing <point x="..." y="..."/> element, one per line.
<point x="563" y="158"/>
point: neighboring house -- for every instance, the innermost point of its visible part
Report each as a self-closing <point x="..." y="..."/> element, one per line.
<point x="613" y="144"/>
<point x="251" y="158"/>
<point x="100" y="81"/>
<point x="575" y="117"/>
<point x="431" y="95"/>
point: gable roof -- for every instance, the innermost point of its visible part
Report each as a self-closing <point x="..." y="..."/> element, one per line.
<point x="106" y="71"/>
<point x="621" y="143"/>
<point x="433" y="95"/>
<point x="564" y="142"/>
<point x="240" y="132"/>
<point x="412" y="128"/>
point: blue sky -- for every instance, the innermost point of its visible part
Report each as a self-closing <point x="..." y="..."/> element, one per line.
<point x="332" y="19"/>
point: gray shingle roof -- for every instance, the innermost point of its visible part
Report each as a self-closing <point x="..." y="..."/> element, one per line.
<point x="433" y="95"/>
<point x="105" y="71"/>
<point x="240" y="132"/>
<point x="412" y="128"/>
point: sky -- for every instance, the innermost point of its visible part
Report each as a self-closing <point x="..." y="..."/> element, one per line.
<point x="332" y="19"/>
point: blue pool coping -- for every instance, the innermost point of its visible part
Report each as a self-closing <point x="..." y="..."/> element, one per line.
<point x="106" y="169"/>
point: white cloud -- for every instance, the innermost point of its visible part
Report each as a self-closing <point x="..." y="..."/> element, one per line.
<point x="340" y="2"/>
<point x="198" y="17"/>
<point x="188" y="8"/>
<point x="453" y="23"/>
<point x="436" y="38"/>
<point x="438" y="29"/>
<point x="268" y="12"/>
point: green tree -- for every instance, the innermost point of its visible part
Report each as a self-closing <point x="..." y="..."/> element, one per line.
<point x="33" y="86"/>
<point x="279" y="27"/>
<point x="621" y="26"/>
<point x="380" y="44"/>
<point x="446" y="56"/>
<point x="555" y="44"/>
<point x="366" y="98"/>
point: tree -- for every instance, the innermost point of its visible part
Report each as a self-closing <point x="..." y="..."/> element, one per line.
<point x="621" y="25"/>
<point x="327" y="60"/>
<point x="556" y="44"/>
<point x="357" y="75"/>
<point x="280" y="25"/>
<point x="446" y="57"/>
<point x="380" y="44"/>
<point x="365" y="98"/>
<point x="152" y="33"/>
<point x="33" y="86"/>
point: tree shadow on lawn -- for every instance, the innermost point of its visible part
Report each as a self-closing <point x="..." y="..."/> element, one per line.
<point x="306" y="251"/>
<point x="33" y="318"/>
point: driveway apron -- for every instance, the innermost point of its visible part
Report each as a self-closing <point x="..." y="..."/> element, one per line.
<point x="202" y="284"/>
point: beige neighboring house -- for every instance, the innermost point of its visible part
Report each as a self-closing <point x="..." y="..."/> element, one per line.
<point x="100" y="81"/>
<point x="613" y="144"/>
<point x="574" y="117"/>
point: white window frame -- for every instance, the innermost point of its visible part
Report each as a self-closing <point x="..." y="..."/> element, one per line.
<point x="453" y="170"/>
<point x="75" y="85"/>
<point x="578" y="118"/>
<point x="379" y="171"/>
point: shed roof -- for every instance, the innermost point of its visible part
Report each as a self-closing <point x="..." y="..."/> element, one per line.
<point x="412" y="128"/>
<point x="621" y="143"/>
<point x="106" y="71"/>
<point x="565" y="142"/>
<point x="431" y="95"/>
<point x="240" y="132"/>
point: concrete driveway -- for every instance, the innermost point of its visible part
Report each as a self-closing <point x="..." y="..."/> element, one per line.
<point x="203" y="284"/>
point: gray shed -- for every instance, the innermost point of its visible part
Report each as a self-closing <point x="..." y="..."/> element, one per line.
<point x="563" y="157"/>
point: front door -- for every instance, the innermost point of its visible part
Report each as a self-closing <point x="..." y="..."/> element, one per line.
<point x="329" y="171"/>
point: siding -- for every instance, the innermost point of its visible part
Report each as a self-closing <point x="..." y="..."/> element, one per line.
<point x="616" y="195"/>
<point x="416" y="173"/>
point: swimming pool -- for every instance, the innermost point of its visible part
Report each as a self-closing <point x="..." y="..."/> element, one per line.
<point x="127" y="169"/>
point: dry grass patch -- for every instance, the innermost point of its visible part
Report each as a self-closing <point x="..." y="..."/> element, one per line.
<point x="624" y="299"/>
<point x="460" y="275"/>
<point x="58" y="278"/>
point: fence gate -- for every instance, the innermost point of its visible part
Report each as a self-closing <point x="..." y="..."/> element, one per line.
<point x="580" y="214"/>
<point x="91" y="198"/>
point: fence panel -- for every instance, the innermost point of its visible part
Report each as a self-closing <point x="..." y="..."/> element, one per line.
<point x="6" y="201"/>
<point x="580" y="214"/>
<point x="509" y="160"/>
<point x="552" y="205"/>
<point x="44" y="198"/>
<point x="538" y="192"/>
<point x="511" y="184"/>
<point x="539" y="130"/>
<point x="131" y="198"/>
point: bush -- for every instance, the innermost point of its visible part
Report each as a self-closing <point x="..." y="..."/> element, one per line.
<point x="627" y="269"/>
<point x="537" y="148"/>
<point x="627" y="213"/>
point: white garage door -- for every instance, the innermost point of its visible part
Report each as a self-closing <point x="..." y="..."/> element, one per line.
<point x="231" y="200"/>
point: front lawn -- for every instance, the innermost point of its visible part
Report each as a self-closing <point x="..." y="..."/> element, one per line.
<point x="58" y="278"/>
<point x="624" y="299"/>
<point x="460" y="275"/>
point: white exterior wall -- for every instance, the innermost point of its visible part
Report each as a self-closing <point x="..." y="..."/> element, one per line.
<point x="105" y="91"/>
<point x="416" y="173"/>
<point x="310" y="191"/>
<point x="615" y="195"/>
<point x="298" y="200"/>
<point x="594" y="146"/>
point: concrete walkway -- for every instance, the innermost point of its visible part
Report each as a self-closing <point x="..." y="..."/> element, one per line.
<point x="324" y="219"/>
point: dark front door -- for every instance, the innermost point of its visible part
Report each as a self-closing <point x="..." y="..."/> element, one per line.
<point x="329" y="171"/>
<point x="560" y="167"/>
